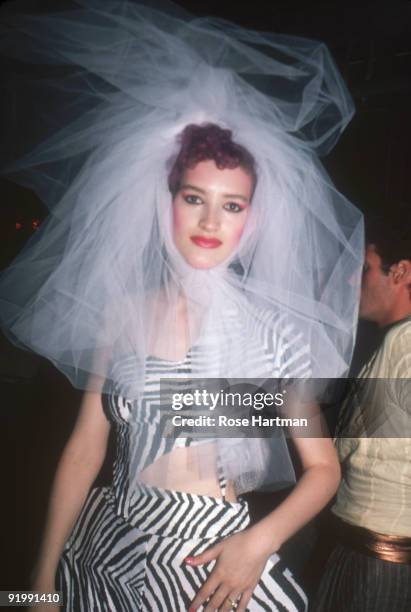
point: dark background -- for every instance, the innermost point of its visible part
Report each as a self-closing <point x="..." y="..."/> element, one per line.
<point x="371" y="43"/>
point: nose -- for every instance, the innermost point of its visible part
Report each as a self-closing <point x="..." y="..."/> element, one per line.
<point x="209" y="221"/>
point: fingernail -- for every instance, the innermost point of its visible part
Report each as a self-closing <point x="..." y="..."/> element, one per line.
<point x="192" y="610"/>
<point x="189" y="560"/>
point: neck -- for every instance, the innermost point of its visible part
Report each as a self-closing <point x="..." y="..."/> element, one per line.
<point x="400" y="311"/>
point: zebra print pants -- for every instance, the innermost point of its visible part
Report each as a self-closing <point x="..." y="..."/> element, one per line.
<point x="112" y="565"/>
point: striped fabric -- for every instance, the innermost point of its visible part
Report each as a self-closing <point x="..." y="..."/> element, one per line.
<point x="127" y="550"/>
<point x="109" y="565"/>
<point x="355" y="582"/>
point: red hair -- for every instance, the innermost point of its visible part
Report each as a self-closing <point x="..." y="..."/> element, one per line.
<point x="204" y="142"/>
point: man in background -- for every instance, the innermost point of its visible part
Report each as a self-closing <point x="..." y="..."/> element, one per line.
<point x="370" y="569"/>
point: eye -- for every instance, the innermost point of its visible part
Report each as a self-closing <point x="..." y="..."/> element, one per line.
<point x="233" y="207"/>
<point x="193" y="199"/>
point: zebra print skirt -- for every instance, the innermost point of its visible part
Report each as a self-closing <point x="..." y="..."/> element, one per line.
<point x="110" y="564"/>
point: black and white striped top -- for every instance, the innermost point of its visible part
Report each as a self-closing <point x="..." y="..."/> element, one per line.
<point x="275" y="349"/>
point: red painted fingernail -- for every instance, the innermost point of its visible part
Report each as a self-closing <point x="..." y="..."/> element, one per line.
<point x="189" y="560"/>
<point x="192" y="610"/>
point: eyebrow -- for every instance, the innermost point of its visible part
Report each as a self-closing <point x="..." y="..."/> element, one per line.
<point x="225" y="195"/>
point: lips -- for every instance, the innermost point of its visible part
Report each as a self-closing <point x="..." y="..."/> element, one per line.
<point x="206" y="243"/>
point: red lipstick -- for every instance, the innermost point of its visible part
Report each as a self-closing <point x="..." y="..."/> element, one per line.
<point x="206" y="243"/>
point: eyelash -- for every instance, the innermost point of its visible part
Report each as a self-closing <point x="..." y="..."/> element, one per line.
<point x="189" y="199"/>
<point x="238" y="207"/>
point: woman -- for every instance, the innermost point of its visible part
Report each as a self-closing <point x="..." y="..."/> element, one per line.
<point x="195" y="237"/>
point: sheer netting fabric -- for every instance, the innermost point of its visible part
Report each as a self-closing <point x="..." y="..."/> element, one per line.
<point x="104" y="90"/>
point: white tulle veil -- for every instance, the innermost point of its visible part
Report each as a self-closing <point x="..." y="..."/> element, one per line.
<point x="113" y="83"/>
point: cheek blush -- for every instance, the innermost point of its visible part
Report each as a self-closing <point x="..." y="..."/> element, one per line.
<point x="178" y="219"/>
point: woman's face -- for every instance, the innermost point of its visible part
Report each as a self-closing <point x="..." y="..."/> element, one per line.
<point x="209" y="213"/>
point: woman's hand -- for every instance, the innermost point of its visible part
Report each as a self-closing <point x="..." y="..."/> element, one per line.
<point x="240" y="561"/>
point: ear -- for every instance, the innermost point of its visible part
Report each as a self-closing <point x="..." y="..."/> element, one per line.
<point x="401" y="272"/>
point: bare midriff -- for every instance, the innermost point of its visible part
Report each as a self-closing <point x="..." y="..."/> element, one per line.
<point x="186" y="469"/>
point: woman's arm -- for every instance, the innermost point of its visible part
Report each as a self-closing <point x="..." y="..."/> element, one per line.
<point x="77" y="469"/>
<point x="242" y="557"/>
<point x="313" y="491"/>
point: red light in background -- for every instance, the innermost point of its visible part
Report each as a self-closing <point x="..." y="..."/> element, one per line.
<point x="18" y="225"/>
<point x="35" y="224"/>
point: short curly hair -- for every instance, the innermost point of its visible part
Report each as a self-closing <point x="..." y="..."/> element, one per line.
<point x="204" y="142"/>
<point x="390" y="233"/>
